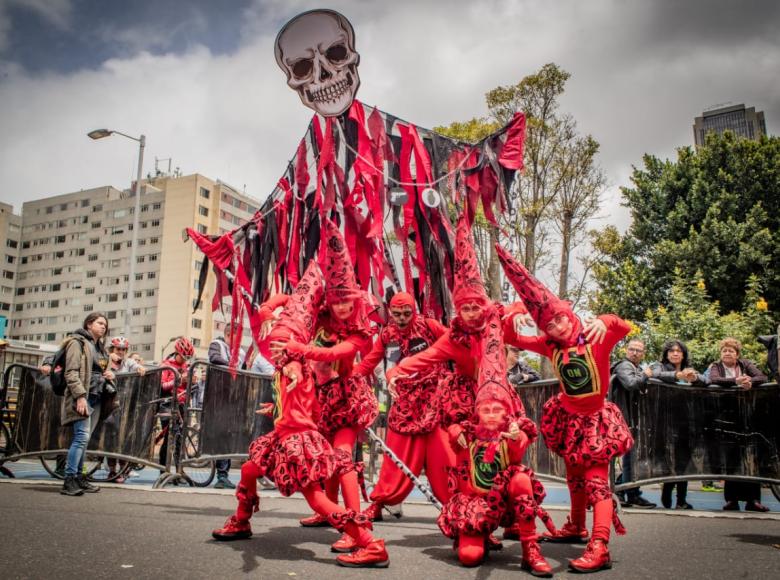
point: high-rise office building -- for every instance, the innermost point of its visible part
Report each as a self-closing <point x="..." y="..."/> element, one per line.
<point x="745" y="122"/>
<point x="74" y="253"/>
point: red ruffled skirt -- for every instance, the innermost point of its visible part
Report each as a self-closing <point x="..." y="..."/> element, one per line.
<point x="417" y="408"/>
<point x="344" y="403"/>
<point x="296" y="461"/>
<point x="476" y="514"/>
<point x="585" y="439"/>
<point x="457" y="398"/>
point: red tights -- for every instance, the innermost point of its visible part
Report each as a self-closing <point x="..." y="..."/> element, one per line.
<point x="314" y="495"/>
<point x="602" y="510"/>
<point x="350" y="489"/>
<point x="430" y="450"/>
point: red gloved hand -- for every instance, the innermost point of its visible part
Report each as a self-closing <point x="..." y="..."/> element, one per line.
<point x="295" y="347"/>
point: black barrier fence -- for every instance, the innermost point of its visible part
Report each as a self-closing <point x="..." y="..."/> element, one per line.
<point x="228" y="422"/>
<point x="127" y="434"/>
<point x="684" y="432"/>
<point x="681" y="432"/>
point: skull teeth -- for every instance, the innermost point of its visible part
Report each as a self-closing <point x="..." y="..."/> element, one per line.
<point x="331" y="92"/>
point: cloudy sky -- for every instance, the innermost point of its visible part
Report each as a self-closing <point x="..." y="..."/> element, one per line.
<point x="199" y="78"/>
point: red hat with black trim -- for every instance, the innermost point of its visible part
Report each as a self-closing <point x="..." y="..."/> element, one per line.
<point x="468" y="281"/>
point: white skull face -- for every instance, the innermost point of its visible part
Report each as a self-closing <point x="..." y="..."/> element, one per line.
<point x="317" y="52"/>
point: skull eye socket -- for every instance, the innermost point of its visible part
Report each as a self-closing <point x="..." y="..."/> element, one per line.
<point x="336" y="53"/>
<point x="303" y="68"/>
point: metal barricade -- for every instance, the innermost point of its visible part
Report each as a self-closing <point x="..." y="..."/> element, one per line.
<point x="37" y="430"/>
<point x="227" y="422"/>
<point x="686" y="433"/>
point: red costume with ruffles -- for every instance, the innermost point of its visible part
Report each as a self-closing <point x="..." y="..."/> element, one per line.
<point x="295" y="455"/>
<point x="414" y="431"/>
<point x="578" y="423"/>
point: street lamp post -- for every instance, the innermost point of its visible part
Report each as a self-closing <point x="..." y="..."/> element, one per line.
<point x="99" y="134"/>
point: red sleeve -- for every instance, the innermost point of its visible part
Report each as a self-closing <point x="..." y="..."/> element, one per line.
<point x="373" y="358"/>
<point x="537" y="344"/>
<point x="266" y="310"/>
<point x="617" y="329"/>
<point x="167" y="381"/>
<point x="517" y="449"/>
<point x="440" y="351"/>
<point x="343" y="350"/>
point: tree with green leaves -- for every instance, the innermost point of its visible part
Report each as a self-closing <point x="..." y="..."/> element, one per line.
<point x="714" y="210"/>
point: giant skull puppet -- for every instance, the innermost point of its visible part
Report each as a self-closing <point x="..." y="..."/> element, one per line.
<point x="316" y="50"/>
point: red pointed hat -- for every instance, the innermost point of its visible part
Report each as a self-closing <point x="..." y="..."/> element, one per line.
<point x="492" y="383"/>
<point x="542" y="304"/>
<point x="340" y="281"/>
<point x="299" y="317"/>
<point x="468" y="281"/>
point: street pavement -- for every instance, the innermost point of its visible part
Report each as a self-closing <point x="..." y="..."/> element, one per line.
<point x="131" y="531"/>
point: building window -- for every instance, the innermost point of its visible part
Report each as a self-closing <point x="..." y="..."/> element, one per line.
<point x="112" y="297"/>
<point x="136" y="312"/>
<point x="8" y="275"/>
<point x="12" y="243"/>
<point x="150" y="292"/>
<point x="94" y="241"/>
<point x="202" y="229"/>
<point x="154" y="240"/>
<point x="196" y="323"/>
<point x="196" y="342"/>
<point x="139" y="276"/>
<point x="204" y="211"/>
<point x="54" y="304"/>
<point x="10" y="259"/>
<point x="80" y="252"/>
<point x="155" y="223"/>
<point x="92" y="274"/>
<point x="138" y="294"/>
<point x="95" y="225"/>
<point x="204" y="193"/>
<point x="116" y="247"/>
<point x="97" y="208"/>
<point x="140" y="259"/>
<point x="59" y="240"/>
<point x="55" y="287"/>
<point x="151" y="275"/>
<point x="153" y="257"/>
<point x="92" y="258"/>
<point x="111" y="314"/>
<point x="89" y="290"/>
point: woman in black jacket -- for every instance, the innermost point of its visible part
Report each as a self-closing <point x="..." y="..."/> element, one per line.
<point x="675" y="368"/>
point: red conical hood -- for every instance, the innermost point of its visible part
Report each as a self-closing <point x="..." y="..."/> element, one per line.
<point x="492" y="383"/>
<point x="468" y="281"/>
<point x="340" y="281"/>
<point x="299" y="317"/>
<point x="541" y="303"/>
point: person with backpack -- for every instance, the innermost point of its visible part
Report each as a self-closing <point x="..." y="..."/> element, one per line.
<point x="89" y="395"/>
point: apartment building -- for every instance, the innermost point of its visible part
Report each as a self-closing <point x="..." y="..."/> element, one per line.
<point x="10" y="234"/>
<point x="74" y="258"/>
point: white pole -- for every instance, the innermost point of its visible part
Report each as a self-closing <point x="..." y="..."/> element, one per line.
<point x="134" y="242"/>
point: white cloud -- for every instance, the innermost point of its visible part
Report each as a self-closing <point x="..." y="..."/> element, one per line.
<point x="232" y="117"/>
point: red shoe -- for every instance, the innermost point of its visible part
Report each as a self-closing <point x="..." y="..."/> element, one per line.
<point x="373" y="555"/>
<point x="595" y="558"/>
<point x="374" y="512"/>
<point x="233" y="530"/>
<point x="344" y="545"/>
<point x="569" y="532"/>
<point x="315" y="521"/>
<point x="533" y="561"/>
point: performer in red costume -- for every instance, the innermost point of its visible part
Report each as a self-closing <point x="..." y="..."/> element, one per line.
<point x="295" y="455"/>
<point x="346" y="405"/>
<point x="577" y="424"/>
<point x="463" y="342"/>
<point x="415" y="434"/>
<point x="492" y="486"/>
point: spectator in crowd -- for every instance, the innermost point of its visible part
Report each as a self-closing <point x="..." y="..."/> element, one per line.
<point x="630" y="376"/>
<point x="136" y="357"/>
<point x="518" y="371"/>
<point x="675" y="368"/>
<point x="89" y="396"/>
<point x="219" y="354"/>
<point x="119" y="363"/>
<point x="733" y="371"/>
<point x="261" y="365"/>
<point x="179" y="360"/>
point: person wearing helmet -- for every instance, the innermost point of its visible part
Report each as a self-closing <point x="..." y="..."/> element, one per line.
<point x="120" y="362"/>
<point x="179" y="360"/>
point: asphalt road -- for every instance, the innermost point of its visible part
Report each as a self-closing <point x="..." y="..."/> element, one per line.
<point x="129" y="533"/>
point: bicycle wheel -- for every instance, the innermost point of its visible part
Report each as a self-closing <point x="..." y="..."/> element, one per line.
<point x="5" y="441"/>
<point x="54" y="465"/>
<point x="98" y="469"/>
<point x="201" y="472"/>
<point x="775" y="490"/>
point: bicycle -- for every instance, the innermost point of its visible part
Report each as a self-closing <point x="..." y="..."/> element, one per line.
<point x="186" y="447"/>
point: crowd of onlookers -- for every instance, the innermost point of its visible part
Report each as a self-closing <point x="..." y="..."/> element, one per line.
<point x="632" y="373"/>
